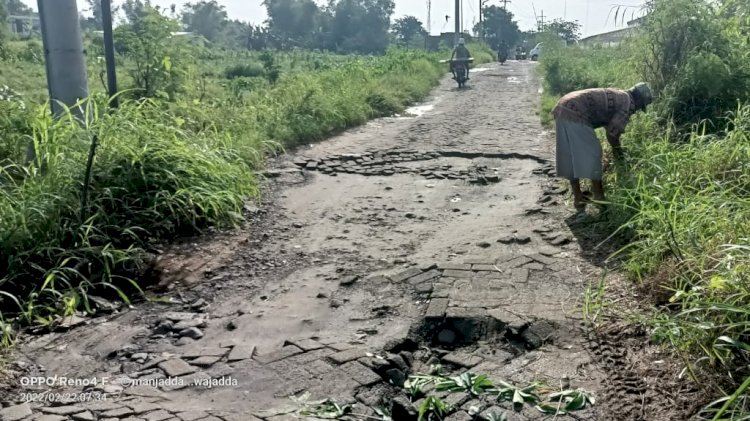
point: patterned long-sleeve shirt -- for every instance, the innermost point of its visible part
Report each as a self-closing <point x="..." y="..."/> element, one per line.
<point x="610" y="108"/>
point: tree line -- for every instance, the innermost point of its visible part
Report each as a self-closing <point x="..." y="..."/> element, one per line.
<point x="344" y="26"/>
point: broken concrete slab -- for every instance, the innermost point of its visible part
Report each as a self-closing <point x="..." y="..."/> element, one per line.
<point x="16" y="413"/>
<point x="176" y="367"/>
<point x="241" y="352"/>
<point x="462" y="359"/>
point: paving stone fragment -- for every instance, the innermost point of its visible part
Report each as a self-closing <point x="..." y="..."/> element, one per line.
<point x="211" y="418"/>
<point x="177" y="316"/>
<point x="15" y="413"/>
<point x="428" y="266"/>
<point x="538" y="333"/>
<point x="456" y="399"/>
<point x="49" y="417"/>
<point x="462" y="359"/>
<point x="402" y="276"/>
<point x="192" y="333"/>
<point x="285" y="352"/>
<point x="101" y="405"/>
<point x="360" y="373"/>
<point x="192" y="415"/>
<point x="63" y="410"/>
<point x="514" y="322"/>
<point x="459" y="416"/>
<point x="176" y="367"/>
<point x="319" y="367"/>
<point x="560" y="240"/>
<point x="143" y="390"/>
<point x="450" y="273"/>
<point x="534" y="266"/>
<point x="423" y="288"/>
<point x="160" y="415"/>
<point x="423" y="277"/>
<point x="118" y="413"/>
<point x="519" y="276"/>
<point x="437" y="308"/>
<point x="543" y="259"/>
<point x="241" y="352"/>
<point x="308" y="344"/>
<point x="484" y="268"/>
<point x="346" y="356"/>
<point x="205" y="361"/>
<point x="518" y="261"/>
<point x="142" y="407"/>
<point x="195" y="352"/>
<point x="453" y="266"/>
<point x="234" y="416"/>
<point x="187" y="324"/>
<point x="84" y="416"/>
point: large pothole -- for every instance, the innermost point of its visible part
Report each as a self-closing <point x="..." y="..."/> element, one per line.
<point x="451" y="348"/>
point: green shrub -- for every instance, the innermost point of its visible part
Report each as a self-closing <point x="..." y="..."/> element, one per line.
<point x="246" y="70"/>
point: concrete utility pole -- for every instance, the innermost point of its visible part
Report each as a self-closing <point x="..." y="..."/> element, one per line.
<point x="458" y="20"/>
<point x="109" y="51"/>
<point x="541" y="22"/>
<point x="64" y="55"/>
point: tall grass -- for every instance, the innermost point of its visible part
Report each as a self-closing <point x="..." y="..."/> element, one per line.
<point x="163" y="169"/>
<point x="681" y="195"/>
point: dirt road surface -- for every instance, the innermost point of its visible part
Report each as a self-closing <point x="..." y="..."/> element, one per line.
<point x="437" y="238"/>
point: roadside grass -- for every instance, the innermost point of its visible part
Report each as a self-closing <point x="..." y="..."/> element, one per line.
<point x="162" y="169"/>
<point x="681" y="198"/>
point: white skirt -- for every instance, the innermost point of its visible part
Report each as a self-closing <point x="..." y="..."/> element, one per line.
<point x="579" y="153"/>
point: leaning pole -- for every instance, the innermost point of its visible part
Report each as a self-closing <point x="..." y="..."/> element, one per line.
<point x="64" y="55"/>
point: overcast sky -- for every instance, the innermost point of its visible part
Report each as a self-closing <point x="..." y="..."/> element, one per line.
<point x="596" y="16"/>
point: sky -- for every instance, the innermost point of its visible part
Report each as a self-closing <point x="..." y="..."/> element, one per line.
<point x="595" y="16"/>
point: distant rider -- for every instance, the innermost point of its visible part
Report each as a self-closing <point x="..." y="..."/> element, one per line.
<point x="461" y="53"/>
<point x="502" y="51"/>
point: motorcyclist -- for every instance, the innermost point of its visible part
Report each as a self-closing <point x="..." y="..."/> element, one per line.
<point x="502" y="51"/>
<point x="460" y="53"/>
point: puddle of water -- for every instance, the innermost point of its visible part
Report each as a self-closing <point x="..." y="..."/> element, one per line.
<point x="480" y="70"/>
<point x="513" y="79"/>
<point x="419" y="110"/>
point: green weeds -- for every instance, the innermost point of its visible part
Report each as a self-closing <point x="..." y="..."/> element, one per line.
<point x="165" y="167"/>
<point x="680" y="195"/>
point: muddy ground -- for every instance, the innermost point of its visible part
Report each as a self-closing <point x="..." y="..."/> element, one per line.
<point x="435" y="239"/>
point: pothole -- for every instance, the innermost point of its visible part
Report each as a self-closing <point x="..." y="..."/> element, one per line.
<point x="452" y="349"/>
<point x="401" y="161"/>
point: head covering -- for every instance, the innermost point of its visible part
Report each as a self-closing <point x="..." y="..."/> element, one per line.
<point x="642" y="96"/>
<point x="461" y="41"/>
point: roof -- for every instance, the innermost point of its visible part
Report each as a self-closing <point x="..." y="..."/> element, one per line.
<point x="611" y="35"/>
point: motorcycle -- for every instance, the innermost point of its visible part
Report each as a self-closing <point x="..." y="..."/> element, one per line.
<point x="502" y="57"/>
<point x="460" y="69"/>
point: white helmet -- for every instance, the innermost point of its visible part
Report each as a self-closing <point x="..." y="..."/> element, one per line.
<point x="461" y="41"/>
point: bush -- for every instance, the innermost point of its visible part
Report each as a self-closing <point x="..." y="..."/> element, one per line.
<point x="244" y="70"/>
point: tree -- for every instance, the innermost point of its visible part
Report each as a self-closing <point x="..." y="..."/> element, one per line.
<point x="498" y="25"/>
<point x="95" y="22"/>
<point x="207" y="18"/>
<point x="361" y="25"/>
<point x="570" y="31"/>
<point x="135" y="10"/>
<point x="157" y="56"/>
<point x="298" y="22"/>
<point x="17" y="7"/>
<point x="407" y="28"/>
<point x="3" y="35"/>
